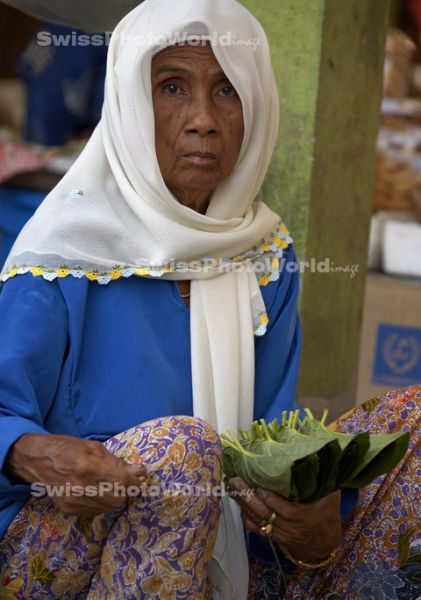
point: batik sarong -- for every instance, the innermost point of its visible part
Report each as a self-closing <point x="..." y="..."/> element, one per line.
<point x="157" y="546"/>
<point x="380" y="554"/>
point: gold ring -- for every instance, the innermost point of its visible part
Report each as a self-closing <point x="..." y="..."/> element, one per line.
<point x="267" y="526"/>
<point x="271" y="519"/>
<point x="267" y="529"/>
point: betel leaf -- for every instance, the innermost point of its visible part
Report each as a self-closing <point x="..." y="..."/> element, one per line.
<point x="291" y="436"/>
<point x="329" y="458"/>
<point x="304" y="479"/>
<point x="352" y="456"/>
<point x="304" y="461"/>
<point x="272" y="465"/>
<point x="353" y="447"/>
<point x="301" y="461"/>
<point x="270" y="472"/>
<point x="328" y="453"/>
<point x="384" y="453"/>
<point x="228" y="458"/>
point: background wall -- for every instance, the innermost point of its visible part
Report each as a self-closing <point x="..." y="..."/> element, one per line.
<point x="328" y="60"/>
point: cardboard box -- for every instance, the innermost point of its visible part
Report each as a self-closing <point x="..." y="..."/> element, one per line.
<point x="377" y="227"/>
<point x="402" y="248"/>
<point x="390" y="350"/>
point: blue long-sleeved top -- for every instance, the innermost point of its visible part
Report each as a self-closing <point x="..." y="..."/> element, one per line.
<point x="90" y="360"/>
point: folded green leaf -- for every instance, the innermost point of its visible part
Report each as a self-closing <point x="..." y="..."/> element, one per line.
<point x="304" y="461"/>
<point x="384" y="453"/>
<point x="337" y="467"/>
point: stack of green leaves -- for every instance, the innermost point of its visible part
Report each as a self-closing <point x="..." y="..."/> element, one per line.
<point x="303" y="460"/>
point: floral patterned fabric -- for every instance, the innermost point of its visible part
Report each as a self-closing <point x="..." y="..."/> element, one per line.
<point x="380" y="554"/>
<point x="157" y="547"/>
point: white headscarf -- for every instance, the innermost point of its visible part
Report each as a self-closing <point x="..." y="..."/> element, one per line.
<point x="113" y="216"/>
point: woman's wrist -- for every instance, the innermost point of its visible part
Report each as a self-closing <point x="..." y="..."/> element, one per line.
<point x="311" y="546"/>
<point x="20" y="456"/>
<point x="307" y="564"/>
<point x="307" y="552"/>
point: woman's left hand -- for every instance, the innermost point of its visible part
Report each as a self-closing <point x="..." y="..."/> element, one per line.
<point x="310" y="531"/>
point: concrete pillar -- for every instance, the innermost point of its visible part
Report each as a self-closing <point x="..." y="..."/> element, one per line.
<point x="328" y="58"/>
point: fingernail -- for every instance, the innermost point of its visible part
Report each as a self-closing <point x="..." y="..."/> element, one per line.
<point x="262" y="493"/>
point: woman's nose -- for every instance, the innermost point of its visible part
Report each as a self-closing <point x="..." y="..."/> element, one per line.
<point x="202" y="118"/>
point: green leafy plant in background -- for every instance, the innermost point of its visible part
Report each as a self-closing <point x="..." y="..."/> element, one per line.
<point x="302" y="460"/>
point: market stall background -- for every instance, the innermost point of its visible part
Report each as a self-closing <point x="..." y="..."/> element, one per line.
<point x="390" y="354"/>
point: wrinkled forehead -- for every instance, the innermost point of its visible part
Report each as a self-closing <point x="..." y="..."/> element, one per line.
<point x="184" y="57"/>
<point x="193" y="40"/>
<point x="195" y="33"/>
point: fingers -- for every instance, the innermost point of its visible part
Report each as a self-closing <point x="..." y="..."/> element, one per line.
<point x="333" y="501"/>
<point x="310" y="531"/>
<point x="101" y="465"/>
<point x="126" y="474"/>
<point x="251" y="525"/>
<point x="134" y="474"/>
<point x="94" y="499"/>
<point x="101" y="482"/>
<point x="301" y="511"/>
<point x="276" y="503"/>
<point x="250" y="503"/>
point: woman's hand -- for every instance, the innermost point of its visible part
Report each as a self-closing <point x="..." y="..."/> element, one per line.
<point x="61" y="460"/>
<point x="309" y="531"/>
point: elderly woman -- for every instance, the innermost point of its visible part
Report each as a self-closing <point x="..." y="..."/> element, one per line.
<point x="145" y="309"/>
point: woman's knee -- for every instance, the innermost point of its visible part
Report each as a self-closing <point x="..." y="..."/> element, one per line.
<point x="193" y="448"/>
<point x="175" y="445"/>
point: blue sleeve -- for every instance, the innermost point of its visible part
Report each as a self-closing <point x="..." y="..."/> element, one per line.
<point x="278" y="350"/>
<point x="33" y="320"/>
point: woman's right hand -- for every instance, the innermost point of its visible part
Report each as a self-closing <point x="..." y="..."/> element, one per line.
<point x="63" y="460"/>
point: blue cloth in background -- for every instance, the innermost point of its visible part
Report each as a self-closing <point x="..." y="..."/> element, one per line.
<point x="16" y="208"/>
<point x="90" y="360"/>
<point x="65" y="85"/>
<point x="64" y="96"/>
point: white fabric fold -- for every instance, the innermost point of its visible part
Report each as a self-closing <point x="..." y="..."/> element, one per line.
<point x="227" y="370"/>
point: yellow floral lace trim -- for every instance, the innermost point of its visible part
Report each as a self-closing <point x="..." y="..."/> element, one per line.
<point x="275" y="243"/>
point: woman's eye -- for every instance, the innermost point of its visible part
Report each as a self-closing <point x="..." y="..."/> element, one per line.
<point x="171" y="88"/>
<point x="227" y="90"/>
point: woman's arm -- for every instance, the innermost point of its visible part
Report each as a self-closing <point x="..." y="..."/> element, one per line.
<point x="82" y="465"/>
<point x="33" y="348"/>
<point x="33" y="343"/>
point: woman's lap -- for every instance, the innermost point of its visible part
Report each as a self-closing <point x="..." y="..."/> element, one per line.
<point x="156" y="547"/>
<point x="97" y="558"/>
<point x="367" y="564"/>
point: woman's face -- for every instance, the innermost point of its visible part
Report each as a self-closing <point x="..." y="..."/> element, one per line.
<point x="198" y="120"/>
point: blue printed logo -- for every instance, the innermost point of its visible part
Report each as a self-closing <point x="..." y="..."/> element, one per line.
<point x="397" y="360"/>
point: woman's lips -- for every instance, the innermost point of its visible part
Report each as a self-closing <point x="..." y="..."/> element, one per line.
<point x="200" y="158"/>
